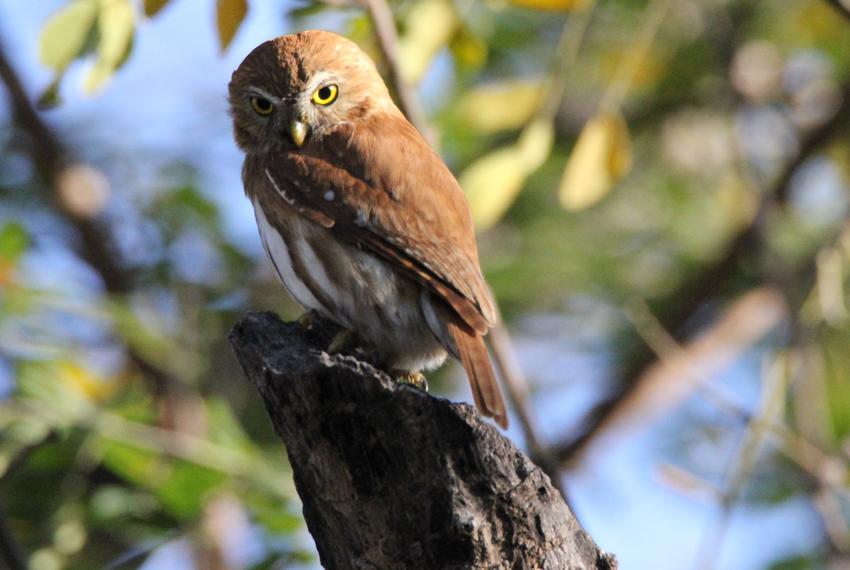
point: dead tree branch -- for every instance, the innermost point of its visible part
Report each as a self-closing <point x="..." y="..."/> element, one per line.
<point x="391" y="477"/>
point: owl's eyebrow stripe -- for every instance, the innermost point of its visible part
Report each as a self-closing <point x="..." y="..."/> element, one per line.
<point x="264" y="93"/>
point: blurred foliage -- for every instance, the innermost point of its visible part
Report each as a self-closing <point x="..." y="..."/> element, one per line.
<point x="610" y="151"/>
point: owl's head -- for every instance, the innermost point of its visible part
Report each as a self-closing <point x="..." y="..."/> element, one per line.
<point x="294" y="89"/>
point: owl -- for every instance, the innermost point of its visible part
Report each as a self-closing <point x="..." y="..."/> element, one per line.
<point x="361" y="219"/>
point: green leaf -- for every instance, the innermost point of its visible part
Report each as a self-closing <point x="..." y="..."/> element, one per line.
<point x="224" y="428"/>
<point x="64" y="35"/>
<point x="469" y="50"/>
<point x="185" y="207"/>
<point x="138" y="466"/>
<point x="229" y="15"/>
<point x="184" y="492"/>
<point x="273" y="514"/>
<point x="116" y="26"/>
<point x="14" y="241"/>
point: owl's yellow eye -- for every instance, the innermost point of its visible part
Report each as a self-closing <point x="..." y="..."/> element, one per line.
<point x="261" y="105"/>
<point x="326" y="94"/>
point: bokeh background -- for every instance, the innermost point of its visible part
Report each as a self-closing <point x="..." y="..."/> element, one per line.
<point x="661" y="191"/>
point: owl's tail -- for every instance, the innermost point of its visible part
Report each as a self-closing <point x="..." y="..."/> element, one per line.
<point x="482" y="379"/>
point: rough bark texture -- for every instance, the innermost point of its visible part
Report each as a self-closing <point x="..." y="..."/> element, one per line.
<point x="392" y="478"/>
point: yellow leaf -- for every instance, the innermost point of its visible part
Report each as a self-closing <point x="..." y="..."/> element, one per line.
<point x="551" y="5"/>
<point x="430" y="26"/>
<point x="84" y="382"/>
<point x="500" y="106"/>
<point x="535" y="144"/>
<point x="64" y="35"/>
<point x="229" y="14"/>
<point x="115" y="23"/>
<point x="468" y="49"/>
<point x="493" y="182"/>
<point x="601" y="157"/>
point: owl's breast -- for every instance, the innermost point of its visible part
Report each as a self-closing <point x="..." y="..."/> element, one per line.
<point x="350" y="286"/>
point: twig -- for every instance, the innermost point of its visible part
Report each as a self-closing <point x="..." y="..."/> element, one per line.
<point x="516" y="387"/>
<point x="572" y="37"/>
<point x="775" y="384"/>
<point x="385" y="31"/>
<point x="639" y="47"/>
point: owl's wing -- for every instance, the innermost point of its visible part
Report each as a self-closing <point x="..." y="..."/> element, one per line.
<point x="405" y="207"/>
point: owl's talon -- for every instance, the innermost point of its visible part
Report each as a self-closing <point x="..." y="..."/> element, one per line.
<point x="415" y="379"/>
<point x="306" y="320"/>
<point x="342" y="339"/>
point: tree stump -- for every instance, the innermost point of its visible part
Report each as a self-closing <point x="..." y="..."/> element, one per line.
<point x="393" y="478"/>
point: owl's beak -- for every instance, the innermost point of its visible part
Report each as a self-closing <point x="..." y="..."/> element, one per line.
<point x="298" y="129"/>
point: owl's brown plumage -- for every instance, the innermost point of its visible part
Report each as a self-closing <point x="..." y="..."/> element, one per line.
<point x="360" y="217"/>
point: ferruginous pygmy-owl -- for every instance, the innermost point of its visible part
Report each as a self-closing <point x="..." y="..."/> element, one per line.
<point x="361" y="219"/>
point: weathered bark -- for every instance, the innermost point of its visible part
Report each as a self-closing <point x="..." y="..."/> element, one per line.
<point x="393" y="478"/>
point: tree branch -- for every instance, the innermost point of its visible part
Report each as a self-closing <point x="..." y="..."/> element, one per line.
<point x="95" y="242"/>
<point x="712" y="281"/>
<point x="385" y="32"/>
<point x="391" y="477"/>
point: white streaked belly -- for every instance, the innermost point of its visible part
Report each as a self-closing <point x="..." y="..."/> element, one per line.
<point x="370" y="298"/>
<point x="279" y="255"/>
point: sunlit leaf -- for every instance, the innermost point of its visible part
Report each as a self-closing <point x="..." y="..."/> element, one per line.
<point x="140" y="466"/>
<point x="152" y="7"/>
<point x="64" y="35"/>
<point x="430" y="25"/>
<point x="535" y="144"/>
<point x="85" y="382"/>
<point x="550" y="5"/>
<point x="493" y="182"/>
<point x="601" y="157"/>
<point x="500" y="106"/>
<point x="115" y="24"/>
<point x="38" y="381"/>
<point x="229" y="15"/>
